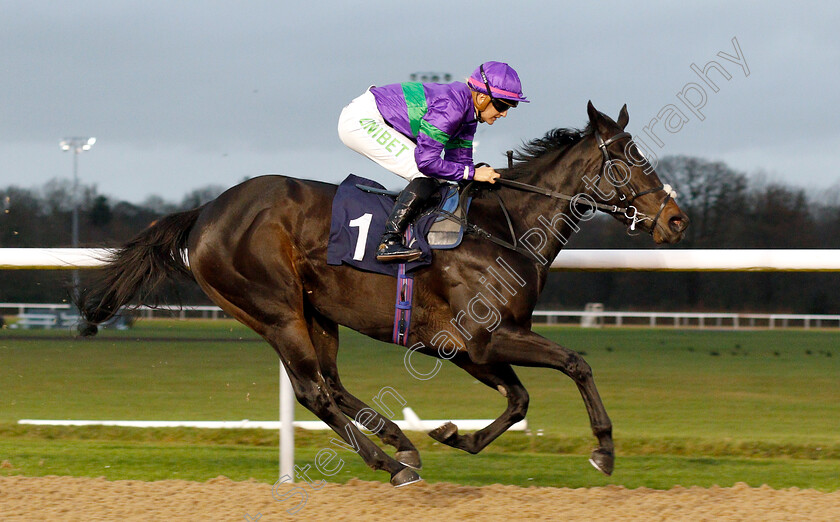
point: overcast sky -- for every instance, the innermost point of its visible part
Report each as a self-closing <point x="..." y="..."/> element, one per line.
<point x="184" y="94"/>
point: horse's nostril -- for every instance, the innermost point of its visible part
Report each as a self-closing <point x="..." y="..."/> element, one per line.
<point x="678" y="223"/>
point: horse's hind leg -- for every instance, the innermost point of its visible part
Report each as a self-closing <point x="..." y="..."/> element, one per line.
<point x="283" y="325"/>
<point x="260" y="284"/>
<point x="293" y="344"/>
<point x="324" y="335"/>
<point x="500" y="377"/>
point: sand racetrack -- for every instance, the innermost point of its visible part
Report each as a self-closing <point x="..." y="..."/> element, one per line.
<point x="72" y="498"/>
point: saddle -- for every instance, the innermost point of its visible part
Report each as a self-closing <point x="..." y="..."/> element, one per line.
<point x="360" y="208"/>
<point x="446" y="206"/>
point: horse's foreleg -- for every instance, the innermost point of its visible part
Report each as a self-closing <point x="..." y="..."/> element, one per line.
<point x="500" y="377"/>
<point x="525" y="348"/>
<point x="324" y="335"/>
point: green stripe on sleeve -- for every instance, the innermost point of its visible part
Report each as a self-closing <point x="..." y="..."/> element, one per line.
<point x="433" y="132"/>
<point x="457" y="143"/>
<point x="415" y="100"/>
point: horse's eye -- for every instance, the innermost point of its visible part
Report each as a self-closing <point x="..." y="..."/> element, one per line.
<point x="640" y="152"/>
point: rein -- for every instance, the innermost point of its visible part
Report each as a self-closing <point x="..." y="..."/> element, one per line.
<point x="518" y="185"/>
<point x="630" y="212"/>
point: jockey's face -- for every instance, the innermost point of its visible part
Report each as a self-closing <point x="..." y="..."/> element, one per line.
<point x="490" y="113"/>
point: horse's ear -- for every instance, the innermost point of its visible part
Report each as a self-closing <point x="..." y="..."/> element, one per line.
<point x="623" y="117"/>
<point x="592" y="112"/>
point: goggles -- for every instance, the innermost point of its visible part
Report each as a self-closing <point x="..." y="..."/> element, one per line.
<point x="502" y="105"/>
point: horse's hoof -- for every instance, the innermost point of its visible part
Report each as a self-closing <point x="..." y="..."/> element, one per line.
<point x="404" y="477"/>
<point x="444" y="433"/>
<point x="410" y="458"/>
<point x="603" y="460"/>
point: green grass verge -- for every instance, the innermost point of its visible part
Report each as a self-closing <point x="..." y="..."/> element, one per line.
<point x="747" y="405"/>
<point x="119" y="460"/>
<point x="509" y="443"/>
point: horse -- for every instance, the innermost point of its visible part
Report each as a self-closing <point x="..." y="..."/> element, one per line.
<point x="259" y="252"/>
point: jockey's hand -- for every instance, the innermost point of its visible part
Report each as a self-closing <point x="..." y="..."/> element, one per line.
<point x="486" y="174"/>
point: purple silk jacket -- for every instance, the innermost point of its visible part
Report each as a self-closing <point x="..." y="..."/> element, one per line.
<point x="439" y="118"/>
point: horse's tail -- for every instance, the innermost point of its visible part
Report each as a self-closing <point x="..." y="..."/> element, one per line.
<point x="137" y="269"/>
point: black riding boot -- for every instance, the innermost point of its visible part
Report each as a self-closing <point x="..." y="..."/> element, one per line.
<point x="408" y="206"/>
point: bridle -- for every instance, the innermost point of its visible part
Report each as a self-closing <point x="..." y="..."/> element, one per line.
<point x="629" y="211"/>
<point x="635" y="216"/>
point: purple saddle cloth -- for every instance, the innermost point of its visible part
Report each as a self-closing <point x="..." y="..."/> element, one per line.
<point x="358" y="220"/>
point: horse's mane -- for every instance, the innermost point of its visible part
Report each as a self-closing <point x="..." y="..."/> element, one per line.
<point x="537" y="153"/>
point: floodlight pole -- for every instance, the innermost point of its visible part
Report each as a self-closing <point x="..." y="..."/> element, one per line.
<point x="77" y="145"/>
<point x="75" y="239"/>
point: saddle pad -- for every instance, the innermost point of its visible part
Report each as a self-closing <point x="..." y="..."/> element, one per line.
<point x="358" y="220"/>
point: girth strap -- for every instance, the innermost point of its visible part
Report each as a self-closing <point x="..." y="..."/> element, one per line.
<point x="402" y="307"/>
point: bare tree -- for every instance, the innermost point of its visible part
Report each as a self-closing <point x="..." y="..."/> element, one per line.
<point x="713" y="195"/>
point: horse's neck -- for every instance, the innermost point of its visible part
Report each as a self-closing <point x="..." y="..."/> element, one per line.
<point x="551" y="215"/>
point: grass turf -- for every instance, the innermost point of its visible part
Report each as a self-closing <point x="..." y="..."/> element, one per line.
<point x="118" y="460"/>
<point x="687" y="406"/>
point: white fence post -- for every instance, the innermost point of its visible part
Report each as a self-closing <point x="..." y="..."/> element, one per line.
<point x="287" y="429"/>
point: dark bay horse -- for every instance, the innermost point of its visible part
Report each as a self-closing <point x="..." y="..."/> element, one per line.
<point x="259" y="252"/>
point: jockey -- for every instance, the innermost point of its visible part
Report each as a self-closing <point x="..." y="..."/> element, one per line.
<point x="405" y="127"/>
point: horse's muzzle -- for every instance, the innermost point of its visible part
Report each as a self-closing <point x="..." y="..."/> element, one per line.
<point x="671" y="226"/>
